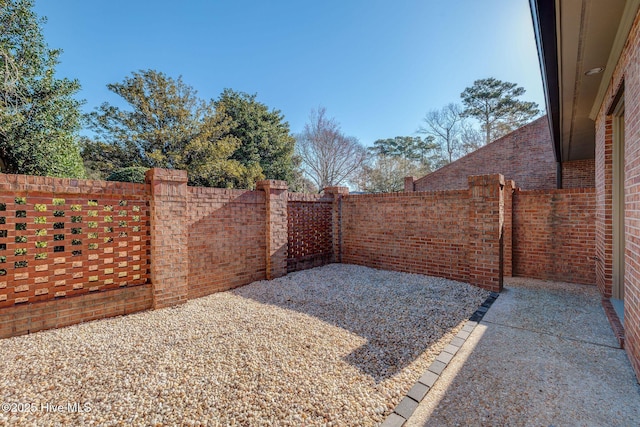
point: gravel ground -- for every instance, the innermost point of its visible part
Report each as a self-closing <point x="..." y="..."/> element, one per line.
<point x="338" y="345"/>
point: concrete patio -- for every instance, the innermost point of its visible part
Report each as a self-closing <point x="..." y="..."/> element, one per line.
<point x="543" y="355"/>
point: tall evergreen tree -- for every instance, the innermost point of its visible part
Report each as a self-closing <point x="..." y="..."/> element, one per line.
<point x="39" y="118"/>
<point x="495" y="105"/>
<point x="264" y="135"/>
<point x="168" y="126"/>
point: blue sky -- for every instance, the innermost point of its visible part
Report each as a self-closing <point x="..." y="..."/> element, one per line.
<point x="377" y="66"/>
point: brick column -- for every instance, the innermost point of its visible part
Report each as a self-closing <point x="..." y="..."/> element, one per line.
<point x="486" y="222"/>
<point x="409" y="183"/>
<point x="276" y="226"/>
<point x="169" y="253"/>
<point x="336" y="219"/>
<point x="509" y="188"/>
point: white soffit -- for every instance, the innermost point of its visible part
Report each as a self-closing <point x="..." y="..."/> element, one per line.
<point x="586" y="32"/>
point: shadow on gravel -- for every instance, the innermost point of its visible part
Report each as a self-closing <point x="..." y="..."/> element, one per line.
<point x="400" y="315"/>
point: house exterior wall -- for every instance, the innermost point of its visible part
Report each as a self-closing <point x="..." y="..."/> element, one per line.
<point x="525" y="156"/>
<point x="579" y="174"/>
<point x="627" y="76"/>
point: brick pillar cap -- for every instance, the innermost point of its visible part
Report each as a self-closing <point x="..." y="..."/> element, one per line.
<point x="272" y="184"/>
<point x="167" y="175"/>
<point x="409" y="183"/>
<point x="336" y="190"/>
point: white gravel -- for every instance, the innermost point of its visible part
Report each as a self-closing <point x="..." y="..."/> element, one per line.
<point x="338" y="345"/>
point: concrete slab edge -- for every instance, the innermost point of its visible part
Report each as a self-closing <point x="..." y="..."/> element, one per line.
<point x="421" y="388"/>
<point x="614" y="321"/>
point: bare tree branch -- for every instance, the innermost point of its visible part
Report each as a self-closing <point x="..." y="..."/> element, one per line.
<point x="328" y="157"/>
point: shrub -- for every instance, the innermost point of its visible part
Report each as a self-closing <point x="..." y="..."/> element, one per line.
<point x="130" y="174"/>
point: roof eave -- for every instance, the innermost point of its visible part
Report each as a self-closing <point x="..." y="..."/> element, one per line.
<point x="543" y="13"/>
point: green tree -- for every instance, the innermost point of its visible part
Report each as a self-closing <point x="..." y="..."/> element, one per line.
<point x="131" y="174"/>
<point x="168" y="126"/>
<point x="39" y="118"/>
<point x="386" y="173"/>
<point x="102" y="158"/>
<point x="412" y="148"/>
<point x="495" y="105"/>
<point x="265" y="139"/>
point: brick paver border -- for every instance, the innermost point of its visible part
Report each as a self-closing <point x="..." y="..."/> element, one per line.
<point x="421" y="388"/>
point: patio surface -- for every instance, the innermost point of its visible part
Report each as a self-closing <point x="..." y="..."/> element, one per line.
<point x="543" y="355"/>
<point x="338" y="345"/>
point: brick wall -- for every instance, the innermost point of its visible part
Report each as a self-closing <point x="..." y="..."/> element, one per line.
<point x="412" y="232"/>
<point x="67" y="239"/>
<point x="554" y="234"/>
<point x="168" y="208"/>
<point x="226" y="239"/>
<point x="579" y="174"/>
<point x="525" y="156"/>
<point x="28" y="318"/>
<point x="434" y="233"/>
<point x="276" y="196"/>
<point x="626" y="76"/>
<point x="309" y="231"/>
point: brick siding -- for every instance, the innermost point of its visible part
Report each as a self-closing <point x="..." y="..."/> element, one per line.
<point x="554" y="234"/>
<point x="627" y="74"/>
<point x="525" y="156"/>
<point x="579" y="174"/>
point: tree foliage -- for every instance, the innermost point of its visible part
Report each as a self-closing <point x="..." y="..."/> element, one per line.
<point x="264" y="135"/>
<point x="328" y="157"/>
<point x="168" y="126"/>
<point x="39" y="118"/>
<point x="131" y="174"/>
<point x="393" y="159"/>
<point x="495" y="105"/>
<point x="385" y="173"/>
<point x="412" y="148"/>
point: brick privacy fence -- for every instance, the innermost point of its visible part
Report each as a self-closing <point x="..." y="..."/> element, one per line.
<point x="454" y="234"/>
<point x="70" y="250"/>
<point x="226" y="239"/>
<point x="546" y="234"/>
<point x="309" y="231"/>
<point x="77" y="250"/>
<point x="554" y="234"/>
<point x="129" y="247"/>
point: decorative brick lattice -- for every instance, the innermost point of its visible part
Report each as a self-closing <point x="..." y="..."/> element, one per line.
<point x="54" y="246"/>
<point x="309" y="230"/>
